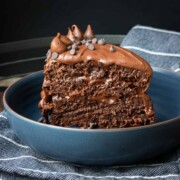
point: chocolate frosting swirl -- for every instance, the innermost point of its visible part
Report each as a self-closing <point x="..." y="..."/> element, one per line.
<point x="65" y="40"/>
<point x="89" y="34"/>
<point x="77" y="32"/>
<point x="57" y="45"/>
<point x="70" y="35"/>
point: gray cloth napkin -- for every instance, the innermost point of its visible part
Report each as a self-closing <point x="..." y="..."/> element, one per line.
<point x="16" y="157"/>
<point x="161" y="48"/>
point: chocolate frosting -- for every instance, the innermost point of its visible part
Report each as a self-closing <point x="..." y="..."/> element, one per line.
<point x="65" y="40"/>
<point x="77" y="32"/>
<point x="121" y="57"/>
<point x="70" y="35"/>
<point x="89" y="34"/>
<point x="100" y="53"/>
<point x="57" y="45"/>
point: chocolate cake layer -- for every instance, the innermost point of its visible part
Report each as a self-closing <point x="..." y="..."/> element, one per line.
<point x="98" y="86"/>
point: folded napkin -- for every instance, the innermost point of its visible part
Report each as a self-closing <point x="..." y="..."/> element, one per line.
<point x="15" y="157"/>
<point x="161" y="48"/>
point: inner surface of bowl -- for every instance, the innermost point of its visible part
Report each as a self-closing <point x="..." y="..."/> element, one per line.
<point x="24" y="95"/>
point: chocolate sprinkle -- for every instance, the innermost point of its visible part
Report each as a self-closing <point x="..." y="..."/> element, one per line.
<point x="74" y="46"/>
<point x="53" y="61"/>
<point x="83" y="41"/>
<point x="89" y="40"/>
<point x="87" y="43"/>
<point x="78" y="42"/>
<point x="69" y="47"/>
<point x="73" y="51"/>
<point x="48" y="54"/>
<point x="94" y="40"/>
<point x="91" y="46"/>
<point x="101" y="41"/>
<point x="54" y="55"/>
<point x="112" y="49"/>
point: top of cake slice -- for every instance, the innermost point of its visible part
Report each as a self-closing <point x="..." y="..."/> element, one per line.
<point x="77" y="47"/>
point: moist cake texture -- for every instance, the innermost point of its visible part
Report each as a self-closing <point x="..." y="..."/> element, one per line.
<point x="91" y="84"/>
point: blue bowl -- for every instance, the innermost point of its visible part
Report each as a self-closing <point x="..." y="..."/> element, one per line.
<point x="97" y="146"/>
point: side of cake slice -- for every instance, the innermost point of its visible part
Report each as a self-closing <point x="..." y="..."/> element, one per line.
<point x="91" y="84"/>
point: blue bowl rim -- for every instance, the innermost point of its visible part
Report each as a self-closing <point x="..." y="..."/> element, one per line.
<point x="8" y="108"/>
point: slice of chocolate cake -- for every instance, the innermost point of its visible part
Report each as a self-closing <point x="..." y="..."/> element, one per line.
<point x="91" y="84"/>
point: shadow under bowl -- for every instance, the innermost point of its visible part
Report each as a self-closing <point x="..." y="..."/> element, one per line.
<point x="97" y="146"/>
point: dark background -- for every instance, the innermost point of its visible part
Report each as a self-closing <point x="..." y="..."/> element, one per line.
<point x="41" y="18"/>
